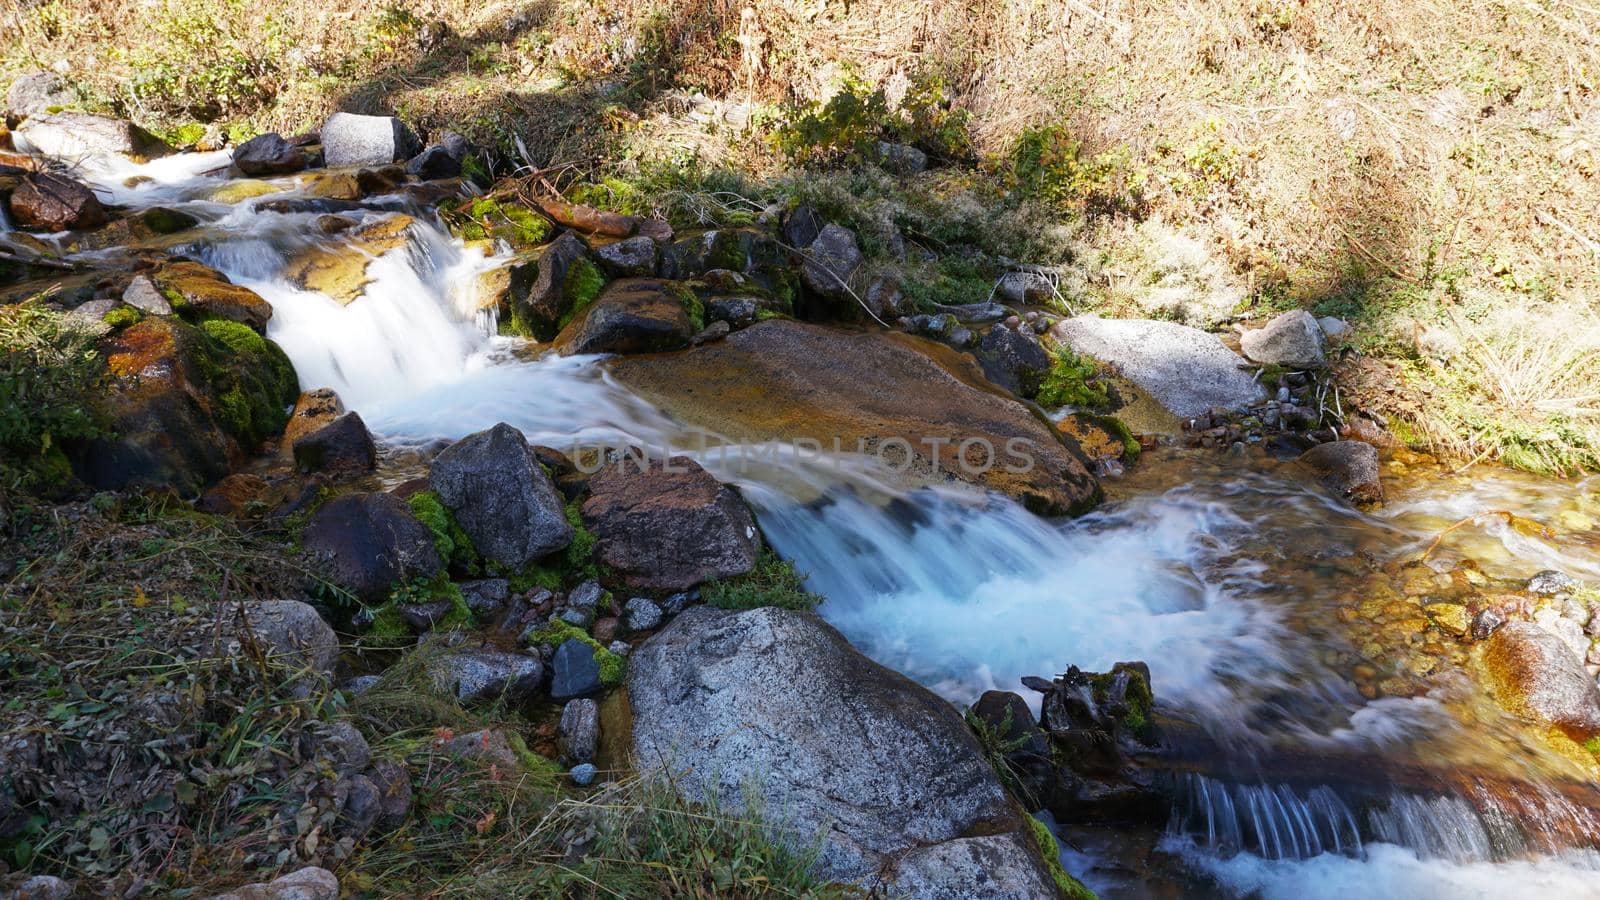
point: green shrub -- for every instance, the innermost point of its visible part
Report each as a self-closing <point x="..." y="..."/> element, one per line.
<point x="211" y="60"/>
<point x="1071" y="381"/>
<point x="773" y="582"/>
<point x="1048" y="165"/>
<point x="50" y="381"/>
<point x="846" y="127"/>
<point x="953" y="281"/>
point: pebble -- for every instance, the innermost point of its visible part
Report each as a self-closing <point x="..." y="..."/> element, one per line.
<point x="1486" y="623"/>
<point x="1551" y="582"/>
<point x="643" y="614"/>
<point x="584" y="775"/>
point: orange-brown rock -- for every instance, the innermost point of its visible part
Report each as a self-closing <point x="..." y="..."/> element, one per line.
<point x="49" y="202"/>
<point x="198" y="288"/>
<point x="881" y="392"/>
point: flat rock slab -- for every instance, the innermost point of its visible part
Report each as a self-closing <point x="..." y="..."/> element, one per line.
<point x="776" y="706"/>
<point x="884" y="392"/>
<point x="1186" y="370"/>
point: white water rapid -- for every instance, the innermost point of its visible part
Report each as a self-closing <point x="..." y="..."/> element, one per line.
<point x="962" y="591"/>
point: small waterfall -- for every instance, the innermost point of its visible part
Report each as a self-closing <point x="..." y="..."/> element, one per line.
<point x="1275" y="821"/>
<point x="1270" y="820"/>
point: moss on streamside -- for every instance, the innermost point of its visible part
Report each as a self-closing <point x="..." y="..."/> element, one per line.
<point x="454" y="546"/>
<point x="558" y="632"/>
<point x="251" y="378"/>
<point x="486" y="218"/>
<point x="582" y="284"/>
<point x="1050" y="849"/>
<point x="1072" y="381"/>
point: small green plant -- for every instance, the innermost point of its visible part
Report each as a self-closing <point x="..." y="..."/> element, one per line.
<point x="953" y="280"/>
<point x="211" y="59"/>
<point x="928" y="119"/>
<point x="1072" y="381"/>
<point x="489" y="219"/>
<point x="50" y="380"/>
<point x="1047" y="164"/>
<point x="846" y="127"/>
<point x="773" y="582"/>
<point x="579" y="556"/>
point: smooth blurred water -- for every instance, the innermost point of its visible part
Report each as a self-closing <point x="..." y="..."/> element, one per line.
<point x="1222" y="577"/>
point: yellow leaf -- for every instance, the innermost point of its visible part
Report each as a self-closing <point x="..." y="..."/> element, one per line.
<point x="140" y="601"/>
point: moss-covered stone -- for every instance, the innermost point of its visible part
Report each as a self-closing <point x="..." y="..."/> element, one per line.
<point x="582" y="284"/>
<point x="453" y="544"/>
<point x="558" y="632"/>
<point x="487" y="218"/>
<point x="1050" y="849"/>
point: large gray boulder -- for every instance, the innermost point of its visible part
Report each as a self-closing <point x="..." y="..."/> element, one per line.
<point x="502" y="497"/>
<point x="74" y="135"/>
<point x="352" y="140"/>
<point x="1185" y="369"/>
<point x="776" y="707"/>
<point x="1536" y="675"/>
<point x="1293" y="339"/>
<point x="669" y="525"/>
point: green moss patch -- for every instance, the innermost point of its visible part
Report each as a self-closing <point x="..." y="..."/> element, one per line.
<point x="582" y="284"/>
<point x="122" y="317"/>
<point x="558" y="632"/>
<point x="453" y="544"/>
<point x="773" y="582"/>
<point x="489" y="219"/>
<point x="251" y="379"/>
<point x="1050" y="848"/>
<point x="1072" y="381"/>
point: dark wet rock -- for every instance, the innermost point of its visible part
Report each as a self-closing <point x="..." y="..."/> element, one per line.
<point x="486" y="597"/>
<point x="310" y="883"/>
<point x="370" y="543"/>
<point x="632" y="315"/>
<point x="716" y="331"/>
<point x="423" y="615"/>
<point x="801" y="226"/>
<point x="73" y="135"/>
<point x="1186" y="370"/>
<point x="322" y="206"/>
<point x="343" y="446"/>
<point x="671" y="526"/>
<point x="380" y="180"/>
<point x="901" y="159"/>
<point x="36" y="92"/>
<point x="775" y="707"/>
<point x="485" y="674"/>
<point x="142" y="294"/>
<point x="434" y="162"/>
<point x="539" y="292"/>
<point x="292" y="634"/>
<point x="48" y="202"/>
<point x="1293" y="339"/>
<point x="501" y="497"/>
<point x="1551" y="582"/>
<point x="1099" y="725"/>
<point x="635" y="256"/>
<point x="830" y="261"/>
<point x="737" y="311"/>
<point x="354" y="140"/>
<point x="313" y="410"/>
<point x="1534" y="674"/>
<point x="488" y="747"/>
<point x="1348" y="469"/>
<point x="268" y="154"/>
<point x="394" y="792"/>
<point x="789" y="381"/>
<point x="203" y="291"/>
<point x="1014" y="359"/>
<point x="574" y="671"/>
<point x="579" y="731"/>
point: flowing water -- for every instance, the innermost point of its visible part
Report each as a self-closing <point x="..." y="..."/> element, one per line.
<point x="1238" y="584"/>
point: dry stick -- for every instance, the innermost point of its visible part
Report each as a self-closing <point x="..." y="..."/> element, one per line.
<point x="806" y="254"/>
<point x="1505" y="514"/>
